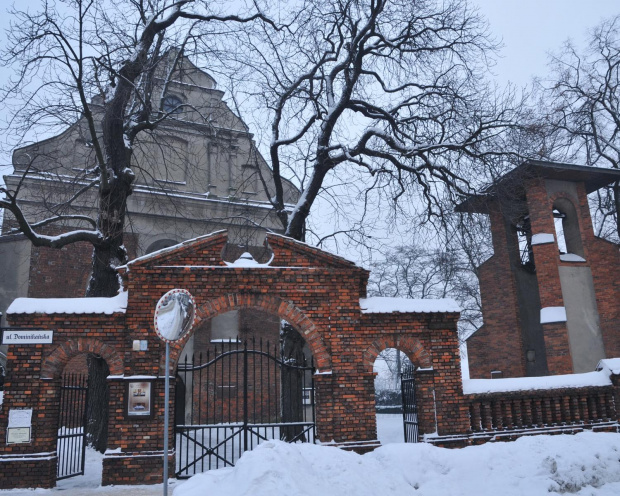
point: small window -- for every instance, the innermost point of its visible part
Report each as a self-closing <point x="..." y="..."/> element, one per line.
<point x="567" y="231"/>
<point x="172" y="104"/>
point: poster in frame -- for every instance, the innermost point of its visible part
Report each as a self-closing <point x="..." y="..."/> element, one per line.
<point x="139" y="399"/>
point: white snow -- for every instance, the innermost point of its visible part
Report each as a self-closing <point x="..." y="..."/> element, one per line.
<point x="246" y="260"/>
<point x="585" y="464"/>
<point x="609" y="365"/>
<point x="552" y="314"/>
<point x="588" y="379"/>
<point x="571" y="257"/>
<point x="108" y="306"/>
<point x="542" y="239"/>
<point x="380" y="304"/>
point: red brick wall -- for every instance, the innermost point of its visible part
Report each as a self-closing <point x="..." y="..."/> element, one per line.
<point x="498" y="345"/>
<point x="487" y="349"/>
<point x="321" y="301"/>
<point x="64" y="272"/>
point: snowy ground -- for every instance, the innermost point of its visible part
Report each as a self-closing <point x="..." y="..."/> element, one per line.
<point x="584" y="464"/>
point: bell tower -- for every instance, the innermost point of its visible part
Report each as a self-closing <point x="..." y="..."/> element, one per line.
<point x="551" y="291"/>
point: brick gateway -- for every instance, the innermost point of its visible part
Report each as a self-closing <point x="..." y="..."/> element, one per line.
<point x="322" y="296"/>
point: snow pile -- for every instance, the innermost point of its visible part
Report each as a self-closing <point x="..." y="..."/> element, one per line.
<point x="108" y="306"/>
<point x="610" y="365"/>
<point x="379" y="304"/>
<point x="246" y="260"/>
<point x="585" y="464"/>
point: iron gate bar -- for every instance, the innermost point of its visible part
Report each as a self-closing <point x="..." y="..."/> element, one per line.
<point x="71" y="444"/>
<point x="410" y="408"/>
<point x="205" y="440"/>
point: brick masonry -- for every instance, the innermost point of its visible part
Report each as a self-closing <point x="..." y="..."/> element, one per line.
<point x="498" y="344"/>
<point x="316" y="292"/>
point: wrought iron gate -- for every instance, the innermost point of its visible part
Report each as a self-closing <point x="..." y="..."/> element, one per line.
<point x="232" y="399"/>
<point x="410" y="409"/>
<point x="71" y="446"/>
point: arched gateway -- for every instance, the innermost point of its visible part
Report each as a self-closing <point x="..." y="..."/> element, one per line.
<point x="321" y="296"/>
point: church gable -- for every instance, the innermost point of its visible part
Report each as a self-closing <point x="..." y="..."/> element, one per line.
<point x="205" y="250"/>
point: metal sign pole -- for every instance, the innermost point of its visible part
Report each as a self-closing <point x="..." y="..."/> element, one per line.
<point x="166" y="415"/>
<point x="174" y="317"/>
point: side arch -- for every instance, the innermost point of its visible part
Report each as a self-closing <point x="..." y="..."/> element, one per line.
<point x="411" y="346"/>
<point x="283" y="309"/>
<point x="55" y="362"/>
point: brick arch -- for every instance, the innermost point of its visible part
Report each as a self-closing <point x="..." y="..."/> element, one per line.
<point x="285" y="310"/>
<point x="412" y="347"/>
<point x="55" y="362"/>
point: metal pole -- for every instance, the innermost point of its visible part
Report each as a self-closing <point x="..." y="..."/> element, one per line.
<point x="166" y="401"/>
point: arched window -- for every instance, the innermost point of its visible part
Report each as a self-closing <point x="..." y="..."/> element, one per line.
<point x="567" y="231"/>
<point x="172" y="104"/>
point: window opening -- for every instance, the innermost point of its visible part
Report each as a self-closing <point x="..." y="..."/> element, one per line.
<point x="172" y="104"/>
<point x="558" y="221"/>
<point x="524" y="238"/>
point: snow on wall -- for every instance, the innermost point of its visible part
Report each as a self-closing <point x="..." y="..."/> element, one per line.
<point x="552" y="314"/>
<point x="598" y="378"/>
<point x="571" y="257"/>
<point x="108" y="306"/>
<point x="379" y="304"/>
<point x="542" y="239"/>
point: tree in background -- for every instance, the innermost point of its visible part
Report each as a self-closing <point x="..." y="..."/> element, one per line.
<point x="448" y="271"/>
<point x="583" y="98"/>
<point x="376" y="98"/>
<point x="99" y="61"/>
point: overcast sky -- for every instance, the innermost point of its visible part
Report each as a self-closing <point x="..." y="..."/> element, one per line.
<point x="529" y="30"/>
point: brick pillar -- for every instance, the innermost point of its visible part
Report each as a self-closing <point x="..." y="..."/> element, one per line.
<point x="615" y="380"/>
<point x="135" y="445"/>
<point x="31" y="464"/>
<point x="425" y="399"/>
<point x="324" y="407"/>
<point x="546" y="257"/>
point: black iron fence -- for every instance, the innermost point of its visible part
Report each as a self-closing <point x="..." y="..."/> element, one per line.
<point x="230" y="399"/>
<point x="71" y="446"/>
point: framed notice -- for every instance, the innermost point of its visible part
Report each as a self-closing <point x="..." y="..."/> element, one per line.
<point x="19" y="426"/>
<point x="139" y="399"/>
<point x="17" y="435"/>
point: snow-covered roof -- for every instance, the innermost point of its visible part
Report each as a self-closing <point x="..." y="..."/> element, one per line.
<point x="380" y="304"/>
<point x="588" y="379"/>
<point x="108" y="306"/>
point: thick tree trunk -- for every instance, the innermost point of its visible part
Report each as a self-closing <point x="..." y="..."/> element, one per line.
<point x="107" y="256"/>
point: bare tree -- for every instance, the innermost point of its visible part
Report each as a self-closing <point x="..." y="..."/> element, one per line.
<point x="388" y="93"/>
<point x="583" y="96"/>
<point x="447" y="271"/>
<point x="98" y="62"/>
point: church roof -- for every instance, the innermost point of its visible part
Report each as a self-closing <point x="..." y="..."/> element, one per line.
<point x="513" y="181"/>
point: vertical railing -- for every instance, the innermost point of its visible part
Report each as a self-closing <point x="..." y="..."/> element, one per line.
<point x="504" y="412"/>
<point x="235" y="403"/>
<point x="71" y="444"/>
